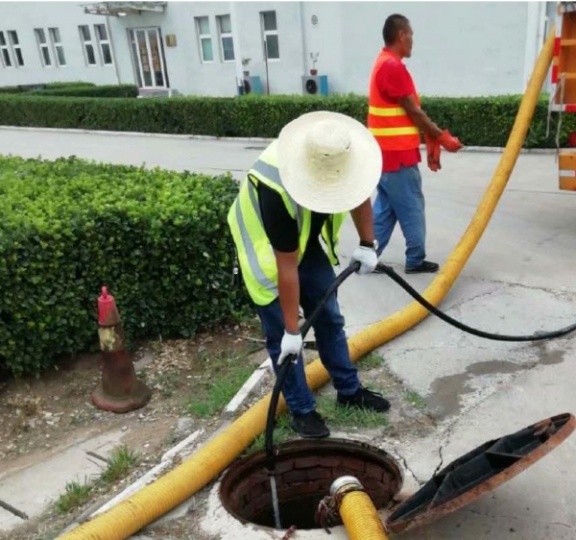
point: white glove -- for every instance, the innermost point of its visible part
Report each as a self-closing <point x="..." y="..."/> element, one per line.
<point x="291" y="344"/>
<point x="367" y="258"/>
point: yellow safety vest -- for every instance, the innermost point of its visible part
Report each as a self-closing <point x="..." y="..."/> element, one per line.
<point x="255" y="253"/>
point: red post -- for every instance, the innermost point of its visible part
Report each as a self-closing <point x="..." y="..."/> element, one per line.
<point x="119" y="390"/>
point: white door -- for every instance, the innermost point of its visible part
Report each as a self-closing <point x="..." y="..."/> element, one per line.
<point x="148" y="57"/>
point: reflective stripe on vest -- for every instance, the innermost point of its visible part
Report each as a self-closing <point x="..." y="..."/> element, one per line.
<point x="255" y="254"/>
<point x="389" y="123"/>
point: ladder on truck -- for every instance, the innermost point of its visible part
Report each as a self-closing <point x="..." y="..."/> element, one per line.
<point x="564" y="85"/>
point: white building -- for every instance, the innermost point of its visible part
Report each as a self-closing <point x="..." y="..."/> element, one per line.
<point x="460" y="48"/>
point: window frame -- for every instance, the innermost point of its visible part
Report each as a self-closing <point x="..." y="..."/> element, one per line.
<point x="43" y="45"/>
<point x="225" y="35"/>
<point x="266" y="33"/>
<point x="85" y="43"/>
<point x="5" y="49"/>
<point x="102" y="42"/>
<point x="18" y="60"/>
<point x="202" y="37"/>
<point x="54" y="31"/>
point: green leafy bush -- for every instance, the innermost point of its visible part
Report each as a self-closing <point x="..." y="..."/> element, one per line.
<point x="41" y="86"/>
<point x="477" y="121"/>
<point x="69" y="84"/>
<point x="158" y="239"/>
<point x="107" y="91"/>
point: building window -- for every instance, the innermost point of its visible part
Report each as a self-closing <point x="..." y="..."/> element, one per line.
<point x="57" y="46"/>
<point x="16" y="49"/>
<point x="6" y="59"/>
<point x="104" y="44"/>
<point x="205" y="39"/>
<point x="270" y="35"/>
<point x="86" y="39"/>
<point x="226" y="40"/>
<point x="43" y="47"/>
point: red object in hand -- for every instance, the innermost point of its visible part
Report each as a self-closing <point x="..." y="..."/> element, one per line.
<point x="433" y="153"/>
<point x="449" y="142"/>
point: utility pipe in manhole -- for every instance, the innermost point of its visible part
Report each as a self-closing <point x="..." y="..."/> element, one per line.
<point x="305" y="471"/>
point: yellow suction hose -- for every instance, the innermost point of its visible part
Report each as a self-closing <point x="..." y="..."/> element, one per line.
<point x="154" y="500"/>
<point x="356" y="509"/>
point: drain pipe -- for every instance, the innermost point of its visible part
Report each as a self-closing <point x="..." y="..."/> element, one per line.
<point x="357" y="510"/>
<point x="169" y="491"/>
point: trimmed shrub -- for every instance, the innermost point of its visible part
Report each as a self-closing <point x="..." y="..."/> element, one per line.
<point x="477" y="121"/>
<point x="70" y="84"/>
<point x="41" y="86"/>
<point x="108" y="91"/>
<point x="158" y="239"/>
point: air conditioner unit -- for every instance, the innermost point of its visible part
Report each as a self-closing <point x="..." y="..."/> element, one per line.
<point x="252" y="85"/>
<point x="315" y="85"/>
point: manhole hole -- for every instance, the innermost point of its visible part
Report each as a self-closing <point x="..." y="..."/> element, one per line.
<point x="305" y="470"/>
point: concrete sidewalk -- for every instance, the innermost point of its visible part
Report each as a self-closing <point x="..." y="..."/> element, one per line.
<point x="520" y="279"/>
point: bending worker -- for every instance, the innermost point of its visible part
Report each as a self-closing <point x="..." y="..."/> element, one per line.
<point x="396" y="119"/>
<point x="321" y="166"/>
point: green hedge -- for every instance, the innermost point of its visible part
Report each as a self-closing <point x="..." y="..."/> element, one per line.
<point x="106" y="91"/>
<point x="477" y="121"/>
<point x="41" y="86"/>
<point x="157" y="239"/>
<point x="69" y="84"/>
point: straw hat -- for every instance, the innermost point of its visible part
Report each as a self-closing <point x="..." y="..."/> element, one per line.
<point x="328" y="162"/>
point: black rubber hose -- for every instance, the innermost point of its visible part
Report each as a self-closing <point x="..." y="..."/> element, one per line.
<point x="287" y="363"/>
<point x="538" y="336"/>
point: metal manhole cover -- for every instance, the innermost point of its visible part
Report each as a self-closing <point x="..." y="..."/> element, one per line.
<point x="480" y="471"/>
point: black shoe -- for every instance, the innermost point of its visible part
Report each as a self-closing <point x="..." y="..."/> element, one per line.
<point x="426" y="267"/>
<point x="364" y="399"/>
<point x="380" y="268"/>
<point x="309" y="426"/>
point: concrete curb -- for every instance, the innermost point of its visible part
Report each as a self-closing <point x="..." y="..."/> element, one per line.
<point x="478" y="149"/>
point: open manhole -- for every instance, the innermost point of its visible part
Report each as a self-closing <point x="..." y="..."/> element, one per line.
<point x="304" y="472"/>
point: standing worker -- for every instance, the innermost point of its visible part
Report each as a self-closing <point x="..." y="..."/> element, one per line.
<point x="321" y="166"/>
<point x="396" y="119"/>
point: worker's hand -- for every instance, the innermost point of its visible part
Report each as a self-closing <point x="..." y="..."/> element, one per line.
<point x="433" y="153"/>
<point x="291" y="344"/>
<point x="367" y="258"/>
<point x="449" y="142"/>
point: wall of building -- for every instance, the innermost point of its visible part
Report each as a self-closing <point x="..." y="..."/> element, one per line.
<point x="24" y="17"/>
<point x="189" y="75"/>
<point x="460" y="48"/>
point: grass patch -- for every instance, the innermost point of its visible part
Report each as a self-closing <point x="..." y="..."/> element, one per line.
<point x="74" y="497"/>
<point x="414" y="398"/>
<point x="282" y="433"/>
<point x="229" y="371"/>
<point x="347" y="417"/>
<point x="335" y="416"/>
<point x="370" y="361"/>
<point x="120" y="463"/>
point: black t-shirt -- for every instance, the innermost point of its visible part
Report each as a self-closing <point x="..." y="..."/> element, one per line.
<point x="281" y="228"/>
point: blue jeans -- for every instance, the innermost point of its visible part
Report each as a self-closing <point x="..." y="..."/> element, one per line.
<point x="400" y="198"/>
<point x="316" y="275"/>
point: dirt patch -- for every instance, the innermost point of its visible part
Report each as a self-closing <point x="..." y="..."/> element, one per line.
<point x="41" y="416"/>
